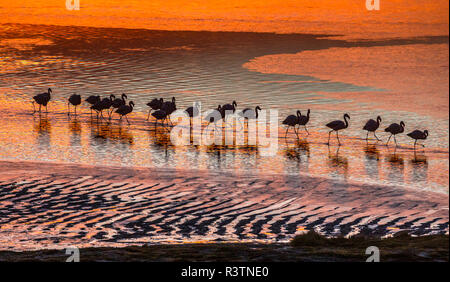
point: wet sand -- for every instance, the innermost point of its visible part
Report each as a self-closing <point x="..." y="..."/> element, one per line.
<point x="45" y="205"/>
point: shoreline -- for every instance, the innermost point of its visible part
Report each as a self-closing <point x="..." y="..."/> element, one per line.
<point x="307" y="248"/>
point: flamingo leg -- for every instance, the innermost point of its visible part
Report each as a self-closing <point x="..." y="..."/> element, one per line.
<point x="39" y="108"/>
<point x="376" y="136"/>
<point x="127" y="119"/>
<point x="148" y="116"/>
<point x="395" y="141"/>
<point x="68" y="109"/>
<point x="34" y="108"/>
<point x="285" y="135"/>
<point x="329" y="136"/>
<point x="367" y="136"/>
<point x="306" y="129"/>
<point x="75" y="110"/>
<point x="337" y="135"/>
<point x="415" y="142"/>
<point x="388" y="140"/>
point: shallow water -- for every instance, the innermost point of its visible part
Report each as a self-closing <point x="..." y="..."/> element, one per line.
<point x="205" y="67"/>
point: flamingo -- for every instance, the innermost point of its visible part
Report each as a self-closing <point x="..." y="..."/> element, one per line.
<point x="154" y="105"/>
<point x="395" y="129"/>
<point x="118" y="102"/>
<point x="169" y="107"/>
<point x="291" y="120"/>
<point x="124" y="110"/>
<point x="229" y="107"/>
<point x="192" y="112"/>
<point x="160" y="115"/>
<point x="418" y="135"/>
<point x="372" y="126"/>
<point x="336" y="126"/>
<point x="215" y="115"/>
<point x="249" y="113"/>
<point x="42" y="100"/>
<point x="93" y="99"/>
<point x="75" y="100"/>
<point x="103" y="104"/>
<point x="303" y="120"/>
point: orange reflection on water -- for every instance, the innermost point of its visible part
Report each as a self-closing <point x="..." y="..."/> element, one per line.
<point x="347" y="17"/>
<point x="59" y="138"/>
<point x="410" y="78"/>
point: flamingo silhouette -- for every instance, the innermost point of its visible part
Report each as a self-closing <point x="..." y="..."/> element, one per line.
<point x="92" y="100"/>
<point x="75" y="100"/>
<point x="418" y="135"/>
<point x="395" y="129"/>
<point x="103" y="104"/>
<point x="192" y="112"/>
<point x="303" y="120"/>
<point x="154" y="105"/>
<point x="124" y="110"/>
<point x="169" y="107"/>
<point x="291" y="120"/>
<point x="215" y="115"/>
<point x="118" y="102"/>
<point x="337" y="125"/>
<point x="42" y="100"/>
<point x="160" y="115"/>
<point x="372" y="126"/>
<point x="229" y="108"/>
<point x="249" y="113"/>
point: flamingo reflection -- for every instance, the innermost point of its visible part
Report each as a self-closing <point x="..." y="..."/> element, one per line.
<point x="338" y="163"/>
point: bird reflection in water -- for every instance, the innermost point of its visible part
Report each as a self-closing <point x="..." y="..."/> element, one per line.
<point x="215" y="151"/>
<point x="396" y="166"/>
<point x="337" y="163"/>
<point x="299" y="153"/>
<point x="372" y="161"/>
<point x="419" y="165"/>
<point x="112" y="132"/>
<point x="75" y="129"/>
<point x="160" y="140"/>
<point x="43" y="128"/>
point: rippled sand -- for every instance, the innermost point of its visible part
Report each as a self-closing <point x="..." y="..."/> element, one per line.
<point x="53" y="205"/>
